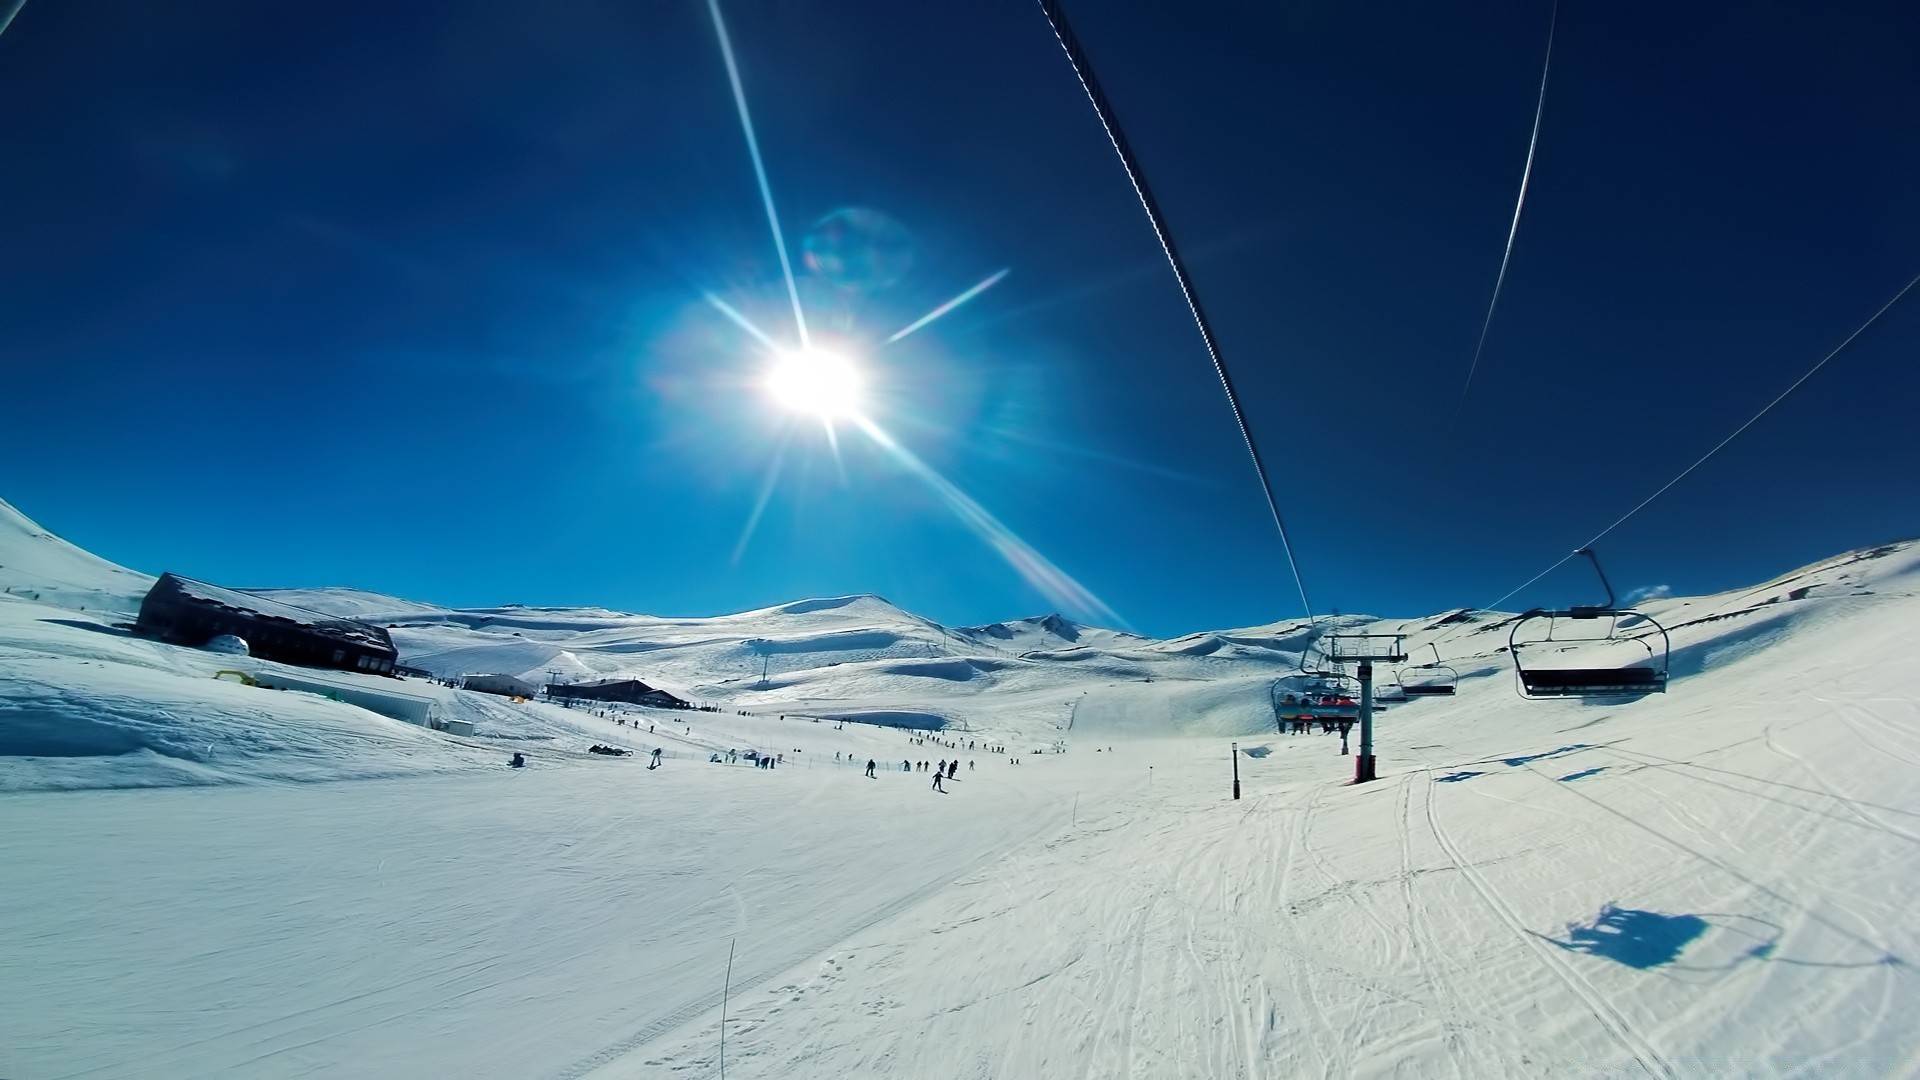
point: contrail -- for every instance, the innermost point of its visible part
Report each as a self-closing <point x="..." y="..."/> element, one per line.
<point x="1513" y="230"/>
<point x="759" y="166"/>
<point x="923" y="320"/>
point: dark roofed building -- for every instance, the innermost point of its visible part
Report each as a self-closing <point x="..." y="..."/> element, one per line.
<point x="187" y="612"/>
<point x="631" y="691"/>
<point x="503" y="685"/>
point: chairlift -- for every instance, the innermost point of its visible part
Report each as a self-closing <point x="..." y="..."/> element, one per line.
<point x="1391" y="692"/>
<point x="1437" y="679"/>
<point x="1648" y="676"/>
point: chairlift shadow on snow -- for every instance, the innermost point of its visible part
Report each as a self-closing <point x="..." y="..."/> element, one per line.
<point x="1583" y="774"/>
<point x="1698" y="948"/>
<point x="1525" y="759"/>
<point x="1256" y="751"/>
<point x="1454" y="778"/>
<point x="1639" y="939"/>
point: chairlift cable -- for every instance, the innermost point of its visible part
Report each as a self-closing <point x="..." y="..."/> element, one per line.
<point x="1076" y="56"/>
<point x="1721" y="445"/>
<point x="1513" y="230"/>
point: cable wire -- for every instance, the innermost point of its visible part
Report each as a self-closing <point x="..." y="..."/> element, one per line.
<point x="1684" y="473"/>
<point x="1063" y="31"/>
<point x="1513" y="230"/>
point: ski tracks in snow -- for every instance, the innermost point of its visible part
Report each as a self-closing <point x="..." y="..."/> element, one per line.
<point x="1630" y="1038"/>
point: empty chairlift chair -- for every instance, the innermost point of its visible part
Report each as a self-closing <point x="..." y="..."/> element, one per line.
<point x="1645" y="674"/>
<point x="1392" y="692"/>
<point x="1437" y="679"/>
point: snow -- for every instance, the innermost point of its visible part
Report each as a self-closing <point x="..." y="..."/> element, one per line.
<point x="211" y="877"/>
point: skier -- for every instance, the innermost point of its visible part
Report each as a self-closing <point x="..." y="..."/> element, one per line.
<point x="972" y="765"/>
<point x="870" y="767"/>
<point x="953" y="768"/>
<point x="936" y="783"/>
<point x="906" y="766"/>
<point x="656" y="758"/>
<point x="519" y="761"/>
<point x="942" y="767"/>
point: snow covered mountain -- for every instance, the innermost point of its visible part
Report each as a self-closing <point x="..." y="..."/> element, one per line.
<point x="1716" y="880"/>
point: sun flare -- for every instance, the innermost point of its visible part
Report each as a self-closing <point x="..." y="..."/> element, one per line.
<point x="817" y="383"/>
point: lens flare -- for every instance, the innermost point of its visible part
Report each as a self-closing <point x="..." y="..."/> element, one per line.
<point x="817" y="383"/>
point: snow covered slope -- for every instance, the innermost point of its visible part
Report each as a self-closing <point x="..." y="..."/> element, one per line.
<point x="1715" y="881"/>
<point x="40" y="565"/>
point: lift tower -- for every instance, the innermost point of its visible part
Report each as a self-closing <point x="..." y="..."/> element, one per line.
<point x="1366" y="650"/>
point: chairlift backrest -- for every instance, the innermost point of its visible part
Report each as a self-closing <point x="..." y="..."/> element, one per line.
<point x="1435" y="679"/>
<point x="1648" y="676"/>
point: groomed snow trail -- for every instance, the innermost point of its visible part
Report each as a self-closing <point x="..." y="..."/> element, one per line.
<point x="1718" y="881"/>
<point x="519" y="923"/>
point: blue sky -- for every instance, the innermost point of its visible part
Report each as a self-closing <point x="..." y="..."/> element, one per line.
<point x="409" y="297"/>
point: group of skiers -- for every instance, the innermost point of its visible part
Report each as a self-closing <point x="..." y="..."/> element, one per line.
<point x="943" y="770"/>
<point x="1302" y="725"/>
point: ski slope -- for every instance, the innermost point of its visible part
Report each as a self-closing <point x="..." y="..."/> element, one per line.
<point x="222" y="879"/>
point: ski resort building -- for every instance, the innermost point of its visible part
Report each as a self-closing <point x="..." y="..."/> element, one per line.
<point x="183" y="611"/>
<point x="630" y="691"/>
<point x="503" y="685"/>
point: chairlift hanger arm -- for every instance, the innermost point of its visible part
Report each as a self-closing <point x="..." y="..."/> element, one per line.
<point x="1604" y="583"/>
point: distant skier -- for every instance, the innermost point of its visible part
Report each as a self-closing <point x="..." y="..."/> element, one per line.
<point x="656" y="758"/>
<point x="870" y="767"/>
<point x="519" y="761"/>
<point x="936" y="783"/>
<point x="941" y="768"/>
<point x="906" y="766"/>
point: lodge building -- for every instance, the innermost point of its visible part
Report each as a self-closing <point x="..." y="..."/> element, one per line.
<point x="182" y="611"/>
<point x="630" y="691"/>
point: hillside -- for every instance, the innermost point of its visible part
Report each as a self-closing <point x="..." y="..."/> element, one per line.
<point x="1711" y="881"/>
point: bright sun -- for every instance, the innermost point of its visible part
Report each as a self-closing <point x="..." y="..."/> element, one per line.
<point x="817" y="383"/>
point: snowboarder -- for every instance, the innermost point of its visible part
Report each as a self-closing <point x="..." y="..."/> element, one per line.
<point x="953" y="768"/>
<point x="656" y="758"/>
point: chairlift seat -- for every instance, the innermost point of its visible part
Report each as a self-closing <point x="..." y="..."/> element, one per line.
<point x="1592" y="682"/>
<point x="1428" y="689"/>
<point x="1647" y="677"/>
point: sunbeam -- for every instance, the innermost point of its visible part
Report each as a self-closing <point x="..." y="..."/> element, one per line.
<point x="990" y="282"/>
<point x="741" y="321"/>
<point x="833" y="444"/>
<point x="1055" y="584"/>
<point x="759" y="166"/>
<point x="766" y="493"/>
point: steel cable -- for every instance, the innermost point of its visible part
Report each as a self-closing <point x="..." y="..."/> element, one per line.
<point x="1076" y="56"/>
